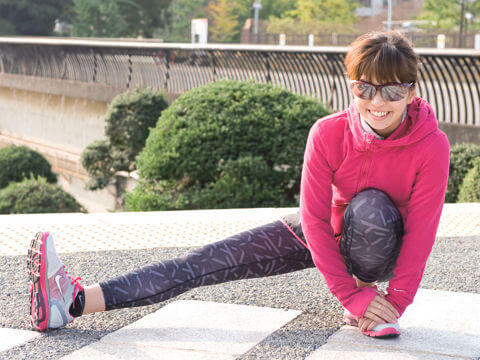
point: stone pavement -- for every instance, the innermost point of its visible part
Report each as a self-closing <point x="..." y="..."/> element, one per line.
<point x="439" y="325"/>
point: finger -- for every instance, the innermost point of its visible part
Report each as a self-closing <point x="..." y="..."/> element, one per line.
<point x="372" y="316"/>
<point x="366" y="325"/>
<point x="384" y="312"/>
<point x="384" y="308"/>
<point x="372" y="325"/>
<point x="390" y="306"/>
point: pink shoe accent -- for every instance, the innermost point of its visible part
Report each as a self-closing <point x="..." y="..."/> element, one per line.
<point x="384" y="331"/>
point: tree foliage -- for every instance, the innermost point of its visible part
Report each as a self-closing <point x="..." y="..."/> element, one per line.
<point x="223" y="24"/>
<point x="445" y="14"/>
<point x="98" y="18"/>
<point x="24" y="17"/>
<point x="314" y="16"/>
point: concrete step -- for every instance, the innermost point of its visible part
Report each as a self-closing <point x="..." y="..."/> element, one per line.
<point x="438" y="325"/>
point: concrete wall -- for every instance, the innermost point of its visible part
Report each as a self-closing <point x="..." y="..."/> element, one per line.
<point x="58" y="119"/>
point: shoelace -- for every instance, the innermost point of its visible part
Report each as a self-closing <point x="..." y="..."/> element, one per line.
<point x="75" y="282"/>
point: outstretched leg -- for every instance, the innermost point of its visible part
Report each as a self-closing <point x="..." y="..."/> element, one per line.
<point x="267" y="250"/>
<point x="56" y="297"/>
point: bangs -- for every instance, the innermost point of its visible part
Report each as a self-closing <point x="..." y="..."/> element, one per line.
<point x="386" y="66"/>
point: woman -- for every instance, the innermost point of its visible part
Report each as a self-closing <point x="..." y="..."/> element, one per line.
<point x="373" y="185"/>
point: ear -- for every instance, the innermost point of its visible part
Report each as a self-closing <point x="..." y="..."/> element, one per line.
<point x="411" y="94"/>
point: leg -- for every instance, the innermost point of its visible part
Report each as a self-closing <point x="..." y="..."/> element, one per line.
<point x="371" y="237"/>
<point x="370" y="244"/>
<point x="264" y="251"/>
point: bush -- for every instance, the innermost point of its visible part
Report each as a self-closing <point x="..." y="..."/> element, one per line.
<point x="19" y="162"/>
<point x="461" y="161"/>
<point x="36" y="196"/>
<point x="98" y="161"/>
<point x="470" y="188"/>
<point x="127" y="124"/>
<point x="227" y="144"/>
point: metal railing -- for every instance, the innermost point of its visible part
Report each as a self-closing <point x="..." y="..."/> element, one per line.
<point x="448" y="79"/>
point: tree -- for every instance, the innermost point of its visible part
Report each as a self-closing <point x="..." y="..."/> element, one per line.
<point x="330" y="11"/>
<point x="316" y="16"/>
<point x="144" y="17"/>
<point x="178" y="18"/>
<point x="98" y="18"/>
<point x="223" y="26"/>
<point x="445" y="14"/>
<point x="24" y="17"/>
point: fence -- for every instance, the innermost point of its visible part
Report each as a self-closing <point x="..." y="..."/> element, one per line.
<point x="427" y="40"/>
<point x="448" y="79"/>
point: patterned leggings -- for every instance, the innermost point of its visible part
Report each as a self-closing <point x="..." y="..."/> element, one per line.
<point x="267" y="250"/>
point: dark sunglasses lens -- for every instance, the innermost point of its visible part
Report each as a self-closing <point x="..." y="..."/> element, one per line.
<point x="394" y="92"/>
<point x="363" y="91"/>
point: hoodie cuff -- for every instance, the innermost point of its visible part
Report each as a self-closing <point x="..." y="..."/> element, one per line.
<point x="360" y="301"/>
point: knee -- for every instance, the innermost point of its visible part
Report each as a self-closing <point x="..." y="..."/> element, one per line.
<point x="371" y="236"/>
<point x="375" y="207"/>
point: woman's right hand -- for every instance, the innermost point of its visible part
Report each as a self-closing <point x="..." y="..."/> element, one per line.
<point x="381" y="311"/>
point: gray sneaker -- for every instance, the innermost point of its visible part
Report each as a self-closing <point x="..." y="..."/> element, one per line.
<point x="52" y="290"/>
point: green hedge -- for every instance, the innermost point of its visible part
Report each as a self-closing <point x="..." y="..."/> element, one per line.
<point x="470" y="188"/>
<point x="227" y="144"/>
<point x="32" y="196"/>
<point x="129" y="118"/>
<point x="19" y="162"/>
<point x="461" y="161"/>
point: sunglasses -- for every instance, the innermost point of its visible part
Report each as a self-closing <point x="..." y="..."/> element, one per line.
<point x="390" y="92"/>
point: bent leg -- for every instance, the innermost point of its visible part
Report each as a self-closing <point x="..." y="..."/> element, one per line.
<point x="264" y="251"/>
<point x="371" y="236"/>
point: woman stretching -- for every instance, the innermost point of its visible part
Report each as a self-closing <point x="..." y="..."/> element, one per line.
<point x="373" y="185"/>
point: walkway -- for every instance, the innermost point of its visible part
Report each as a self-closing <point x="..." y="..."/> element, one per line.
<point x="238" y="320"/>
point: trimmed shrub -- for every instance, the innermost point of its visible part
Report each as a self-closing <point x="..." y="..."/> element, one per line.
<point x="461" y="161"/>
<point x="98" y="161"/>
<point x="128" y="121"/>
<point x="19" y="162"/>
<point x="227" y="144"/>
<point x="33" y="196"/>
<point x="470" y="188"/>
<point x="127" y="124"/>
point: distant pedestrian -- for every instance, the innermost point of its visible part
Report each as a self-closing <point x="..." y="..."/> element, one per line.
<point x="373" y="185"/>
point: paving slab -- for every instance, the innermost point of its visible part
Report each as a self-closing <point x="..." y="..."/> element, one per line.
<point x="15" y="337"/>
<point x="438" y="324"/>
<point x="189" y="329"/>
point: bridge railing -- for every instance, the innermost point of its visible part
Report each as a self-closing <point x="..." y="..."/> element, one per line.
<point x="448" y="79"/>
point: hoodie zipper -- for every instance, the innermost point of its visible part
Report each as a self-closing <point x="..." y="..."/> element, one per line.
<point x="365" y="165"/>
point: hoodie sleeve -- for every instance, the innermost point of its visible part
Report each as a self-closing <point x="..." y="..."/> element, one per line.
<point x="315" y="212"/>
<point x="422" y="219"/>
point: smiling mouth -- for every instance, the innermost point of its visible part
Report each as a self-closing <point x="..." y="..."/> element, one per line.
<point x="379" y="114"/>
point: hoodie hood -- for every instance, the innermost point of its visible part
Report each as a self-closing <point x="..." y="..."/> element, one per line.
<point x="419" y="123"/>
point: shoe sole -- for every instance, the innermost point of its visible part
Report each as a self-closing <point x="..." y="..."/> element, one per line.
<point x="382" y="334"/>
<point x="39" y="309"/>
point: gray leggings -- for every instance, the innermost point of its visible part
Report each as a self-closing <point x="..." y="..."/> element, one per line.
<point x="370" y="243"/>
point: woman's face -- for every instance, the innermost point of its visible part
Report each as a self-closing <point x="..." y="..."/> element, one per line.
<point x="383" y="116"/>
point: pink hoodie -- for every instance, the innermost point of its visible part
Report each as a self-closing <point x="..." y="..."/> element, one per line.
<point x="411" y="166"/>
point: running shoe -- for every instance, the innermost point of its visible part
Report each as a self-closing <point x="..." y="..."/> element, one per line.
<point x="381" y="331"/>
<point x="384" y="331"/>
<point x="52" y="290"/>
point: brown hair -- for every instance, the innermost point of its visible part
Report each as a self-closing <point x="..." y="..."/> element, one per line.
<point x="386" y="56"/>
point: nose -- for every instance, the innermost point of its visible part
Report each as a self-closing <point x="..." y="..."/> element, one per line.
<point x="377" y="99"/>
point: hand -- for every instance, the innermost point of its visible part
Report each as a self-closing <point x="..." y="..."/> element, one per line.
<point x="381" y="311"/>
